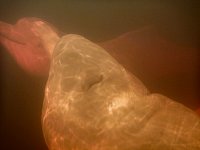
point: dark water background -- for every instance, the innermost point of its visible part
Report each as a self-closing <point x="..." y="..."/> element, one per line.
<point x="21" y="94"/>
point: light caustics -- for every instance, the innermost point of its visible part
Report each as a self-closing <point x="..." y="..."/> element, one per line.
<point x="92" y="103"/>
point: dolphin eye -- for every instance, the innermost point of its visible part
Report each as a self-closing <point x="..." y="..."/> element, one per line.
<point x="91" y="81"/>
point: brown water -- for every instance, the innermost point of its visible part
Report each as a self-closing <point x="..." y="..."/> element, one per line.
<point x="21" y="94"/>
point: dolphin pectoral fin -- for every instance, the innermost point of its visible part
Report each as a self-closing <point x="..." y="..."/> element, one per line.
<point x="8" y="32"/>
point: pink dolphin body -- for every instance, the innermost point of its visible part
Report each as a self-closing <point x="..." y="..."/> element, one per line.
<point x="159" y="63"/>
<point x="91" y="101"/>
<point x="143" y="52"/>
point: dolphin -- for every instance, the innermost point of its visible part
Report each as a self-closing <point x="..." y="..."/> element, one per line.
<point x="93" y="103"/>
<point x="91" y="100"/>
<point x="160" y="63"/>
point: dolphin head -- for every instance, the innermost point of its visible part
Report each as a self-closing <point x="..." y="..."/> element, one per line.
<point x="30" y="42"/>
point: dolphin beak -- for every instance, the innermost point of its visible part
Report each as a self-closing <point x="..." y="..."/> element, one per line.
<point x="9" y="32"/>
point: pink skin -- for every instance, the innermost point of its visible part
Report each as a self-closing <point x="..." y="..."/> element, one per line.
<point x="23" y="43"/>
<point x="143" y="52"/>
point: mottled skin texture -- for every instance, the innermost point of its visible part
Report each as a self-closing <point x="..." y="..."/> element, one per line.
<point x="93" y="103"/>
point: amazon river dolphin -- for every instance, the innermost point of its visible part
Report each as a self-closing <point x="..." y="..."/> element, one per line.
<point x="93" y="103"/>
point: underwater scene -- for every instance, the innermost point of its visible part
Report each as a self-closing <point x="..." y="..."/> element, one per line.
<point x="100" y="75"/>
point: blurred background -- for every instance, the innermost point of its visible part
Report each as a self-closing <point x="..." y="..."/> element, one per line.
<point x="22" y="94"/>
